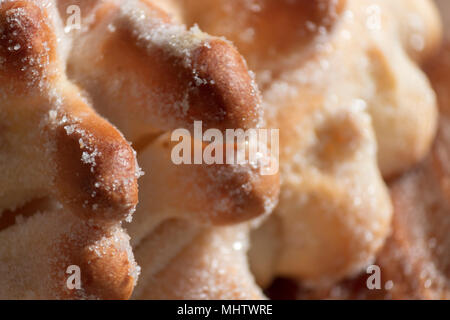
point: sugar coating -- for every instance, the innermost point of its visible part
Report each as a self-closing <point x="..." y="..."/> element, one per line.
<point x="176" y="39"/>
<point x="57" y="235"/>
<point x="213" y="260"/>
<point x="342" y="100"/>
<point x="36" y="103"/>
<point x="53" y="113"/>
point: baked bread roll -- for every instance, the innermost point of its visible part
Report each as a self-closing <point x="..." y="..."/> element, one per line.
<point x="414" y="261"/>
<point x="416" y="256"/>
<point x="150" y="76"/>
<point x="341" y="81"/>
<point x="368" y="46"/>
<point x="69" y="178"/>
<point x="339" y="78"/>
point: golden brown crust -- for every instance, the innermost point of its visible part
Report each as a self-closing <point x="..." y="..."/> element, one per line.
<point x="105" y="275"/>
<point x="204" y="263"/>
<point x="70" y="176"/>
<point x="149" y="76"/>
<point x="229" y="92"/>
<point x="102" y="186"/>
<point x="292" y="28"/>
<point x="239" y="193"/>
<point x="415" y="256"/>
<point x="25" y="38"/>
<point x="328" y="69"/>
<point x="205" y="80"/>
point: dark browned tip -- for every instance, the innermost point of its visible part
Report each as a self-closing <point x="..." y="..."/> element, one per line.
<point x="96" y="169"/>
<point x="252" y="195"/>
<point x="216" y="194"/>
<point x="26" y="40"/>
<point x="225" y="97"/>
<point x="106" y="271"/>
<point x="107" y="276"/>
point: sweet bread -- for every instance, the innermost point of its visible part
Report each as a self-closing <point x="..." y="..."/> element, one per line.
<point x="150" y="76"/>
<point x="374" y="42"/>
<point x="415" y="257"/>
<point x="341" y="80"/>
<point x="69" y="178"/>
